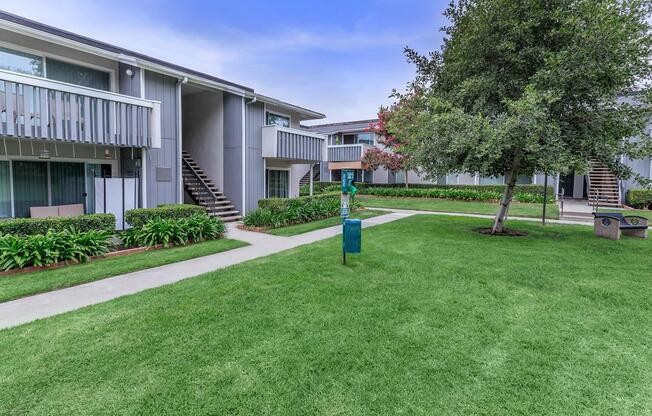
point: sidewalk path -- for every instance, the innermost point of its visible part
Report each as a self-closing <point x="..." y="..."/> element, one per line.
<point x="40" y="306"/>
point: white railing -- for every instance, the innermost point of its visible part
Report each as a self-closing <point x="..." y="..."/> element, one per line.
<point x="347" y="152"/>
<point x="33" y="107"/>
<point x="292" y="144"/>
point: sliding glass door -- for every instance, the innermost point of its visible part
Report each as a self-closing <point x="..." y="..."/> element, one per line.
<point x="67" y="182"/>
<point x="41" y="184"/>
<point x="278" y="183"/>
<point x="30" y="186"/>
<point x="5" y="190"/>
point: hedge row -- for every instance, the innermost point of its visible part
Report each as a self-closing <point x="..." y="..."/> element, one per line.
<point x="468" y="194"/>
<point x="279" y="212"/>
<point x="81" y="223"/>
<point x="140" y="216"/>
<point x="640" y="198"/>
<point x="321" y="187"/>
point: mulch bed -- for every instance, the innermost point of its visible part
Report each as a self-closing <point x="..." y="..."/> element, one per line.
<point x="506" y="232"/>
<point x="117" y="253"/>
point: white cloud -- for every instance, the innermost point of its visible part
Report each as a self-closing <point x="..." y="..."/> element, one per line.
<point x="259" y="60"/>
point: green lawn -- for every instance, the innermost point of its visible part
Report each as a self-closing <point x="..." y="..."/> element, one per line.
<point x="432" y="318"/>
<point x="445" y="205"/>
<point x="24" y="284"/>
<point x="641" y="212"/>
<point x="317" y="225"/>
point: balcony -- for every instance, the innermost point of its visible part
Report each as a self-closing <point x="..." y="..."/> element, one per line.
<point x="346" y="156"/>
<point x="292" y="144"/>
<point x="38" y="108"/>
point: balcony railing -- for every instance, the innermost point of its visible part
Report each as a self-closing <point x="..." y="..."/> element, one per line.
<point x="292" y="144"/>
<point x="347" y="152"/>
<point x="38" y="108"/>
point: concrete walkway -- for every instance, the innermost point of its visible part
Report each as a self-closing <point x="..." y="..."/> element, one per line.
<point x="35" y="307"/>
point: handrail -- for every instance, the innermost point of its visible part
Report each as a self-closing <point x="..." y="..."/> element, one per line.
<point x="210" y="191"/>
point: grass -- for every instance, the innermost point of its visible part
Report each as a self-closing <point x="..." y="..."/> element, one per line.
<point x="25" y="284"/>
<point x="431" y="318"/>
<point x="471" y="207"/>
<point x="641" y="212"/>
<point x="317" y="225"/>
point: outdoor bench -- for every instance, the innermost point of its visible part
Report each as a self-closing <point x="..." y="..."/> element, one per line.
<point x="612" y="224"/>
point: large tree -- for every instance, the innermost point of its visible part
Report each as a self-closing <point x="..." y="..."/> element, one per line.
<point x="521" y="87"/>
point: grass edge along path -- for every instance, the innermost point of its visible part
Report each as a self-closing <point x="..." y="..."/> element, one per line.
<point x="20" y="285"/>
<point x="305" y="227"/>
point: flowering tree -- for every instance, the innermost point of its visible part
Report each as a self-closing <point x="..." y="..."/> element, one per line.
<point x="395" y="158"/>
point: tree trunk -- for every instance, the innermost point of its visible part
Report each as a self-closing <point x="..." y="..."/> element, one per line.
<point x="406" y="179"/>
<point x="499" y="223"/>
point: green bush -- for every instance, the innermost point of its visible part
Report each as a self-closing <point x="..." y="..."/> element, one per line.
<point x="82" y="223"/>
<point x="322" y="187"/>
<point x="177" y="231"/>
<point x="140" y="216"/>
<point x="54" y="246"/>
<point x="640" y="198"/>
<point x="279" y="212"/>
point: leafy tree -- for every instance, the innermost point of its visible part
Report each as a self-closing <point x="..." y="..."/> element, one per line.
<point x="396" y="156"/>
<point x="524" y="86"/>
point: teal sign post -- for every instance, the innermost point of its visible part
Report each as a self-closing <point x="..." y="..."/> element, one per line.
<point x="351" y="229"/>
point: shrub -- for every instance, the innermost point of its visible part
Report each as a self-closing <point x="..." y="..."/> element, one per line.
<point x="54" y="246"/>
<point x="176" y="231"/>
<point x="463" y="194"/>
<point x="321" y="187"/>
<point x="140" y="216"/>
<point x="82" y="223"/>
<point x="279" y="212"/>
<point x="640" y="198"/>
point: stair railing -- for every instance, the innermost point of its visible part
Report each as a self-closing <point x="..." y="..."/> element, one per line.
<point x="196" y="174"/>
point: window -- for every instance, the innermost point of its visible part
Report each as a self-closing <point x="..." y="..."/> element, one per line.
<point x="278" y="183"/>
<point x="30" y="186"/>
<point x="365" y="138"/>
<point x="78" y="75"/>
<point x="5" y="190"/>
<point x="20" y="62"/>
<point x="278" y="120"/>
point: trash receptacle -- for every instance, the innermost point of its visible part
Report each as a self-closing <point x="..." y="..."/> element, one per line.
<point x="352" y="236"/>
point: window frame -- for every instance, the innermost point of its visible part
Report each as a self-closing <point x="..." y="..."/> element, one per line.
<point x="267" y="169"/>
<point x="279" y="114"/>
<point x="45" y="55"/>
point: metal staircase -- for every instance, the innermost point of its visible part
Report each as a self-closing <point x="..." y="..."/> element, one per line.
<point x="204" y="192"/>
<point x="603" y="186"/>
<point x="305" y="180"/>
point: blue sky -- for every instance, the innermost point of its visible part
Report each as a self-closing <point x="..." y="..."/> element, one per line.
<point x="341" y="58"/>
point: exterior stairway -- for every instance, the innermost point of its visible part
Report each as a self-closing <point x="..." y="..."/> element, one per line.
<point x="204" y="192"/>
<point x="315" y="176"/>
<point x="604" y="185"/>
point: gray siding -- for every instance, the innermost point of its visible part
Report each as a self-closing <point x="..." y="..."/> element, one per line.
<point x="640" y="166"/>
<point x="128" y="85"/>
<point x="344" y="154"/>
<point x="255" y="166"/>
<point x="233" y="149"/>
<point x="324" y="173"/>
<point x="298" y="147"/>
<point x="163" y="175"/>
